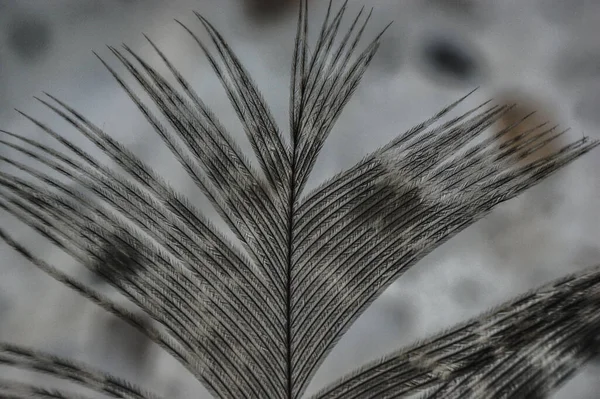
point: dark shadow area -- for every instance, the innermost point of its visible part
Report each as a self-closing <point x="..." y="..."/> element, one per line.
<point x="29" y="37"/>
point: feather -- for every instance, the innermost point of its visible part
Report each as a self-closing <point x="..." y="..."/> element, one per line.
<point x="257" y="319"/>
<point x="525" y="345"/>
<point x="67" y="370"/>
<point x="15" y="390"/>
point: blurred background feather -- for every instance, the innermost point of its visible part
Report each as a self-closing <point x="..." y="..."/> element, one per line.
<point x="539" y="54"/>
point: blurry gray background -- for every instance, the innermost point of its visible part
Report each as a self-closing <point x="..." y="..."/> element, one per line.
<point x="543" y="52"/>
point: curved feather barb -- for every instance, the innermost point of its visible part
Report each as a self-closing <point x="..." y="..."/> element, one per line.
<point x="256" y="321"/>
<point x="66" y="370"/>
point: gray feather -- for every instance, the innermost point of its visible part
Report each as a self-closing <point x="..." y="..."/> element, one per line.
<point x="256" y="320"/>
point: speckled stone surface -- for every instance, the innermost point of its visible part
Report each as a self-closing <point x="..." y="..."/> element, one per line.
<point x="436" y="51"/>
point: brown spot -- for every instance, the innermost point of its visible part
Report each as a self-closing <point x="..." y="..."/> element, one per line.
<point x="117" y="260"/>
<point x="525" y="105"/>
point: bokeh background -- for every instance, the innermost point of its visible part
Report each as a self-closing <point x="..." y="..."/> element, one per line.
<point x="544" y="54"/>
